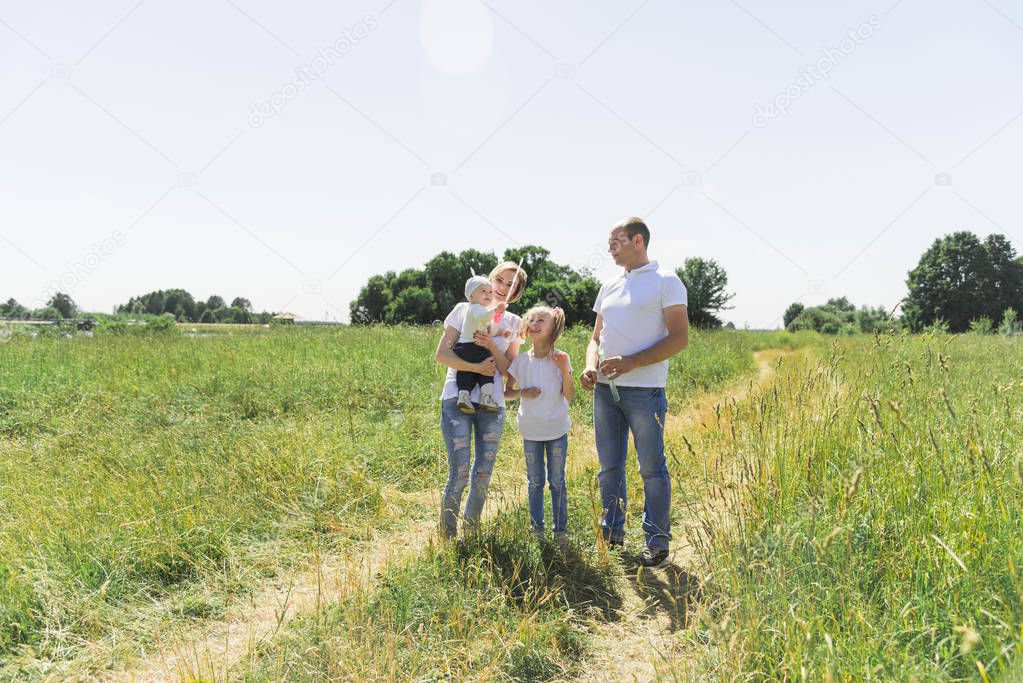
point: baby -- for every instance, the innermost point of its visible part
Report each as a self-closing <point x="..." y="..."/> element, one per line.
<point x="480" y="313"/>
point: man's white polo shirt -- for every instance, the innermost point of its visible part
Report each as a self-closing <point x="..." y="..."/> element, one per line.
<point x="633" y="310"/>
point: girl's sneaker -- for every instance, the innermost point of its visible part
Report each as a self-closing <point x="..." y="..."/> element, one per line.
<point x="464" y="404"/>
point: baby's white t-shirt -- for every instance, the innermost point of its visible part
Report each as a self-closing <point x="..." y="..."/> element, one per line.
<point x="477" y="317"/>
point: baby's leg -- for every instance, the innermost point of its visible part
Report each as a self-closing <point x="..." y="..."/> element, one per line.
<point x="472" y="353"/>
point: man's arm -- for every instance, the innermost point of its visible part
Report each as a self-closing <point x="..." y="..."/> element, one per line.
<point x="588" y="378"/>
<point x="676" y="320"/>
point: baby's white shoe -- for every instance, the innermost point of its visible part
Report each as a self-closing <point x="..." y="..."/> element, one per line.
<point x="464" y="404"/>
<point x="487" y="401"/>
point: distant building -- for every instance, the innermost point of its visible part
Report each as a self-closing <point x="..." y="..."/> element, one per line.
<point x="285" y="319"/>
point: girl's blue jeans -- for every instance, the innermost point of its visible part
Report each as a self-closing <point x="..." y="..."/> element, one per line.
<point x="546" y="459"/>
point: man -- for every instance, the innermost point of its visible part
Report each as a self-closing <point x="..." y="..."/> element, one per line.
<point x="641" y="323"/>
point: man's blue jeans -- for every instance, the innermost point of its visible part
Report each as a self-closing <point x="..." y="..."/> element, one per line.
<point x="555" y="449"/>
<point x="641" y="411"/>
<point x="458" y="428"/>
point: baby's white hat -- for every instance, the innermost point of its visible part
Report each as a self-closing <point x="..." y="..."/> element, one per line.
<point x="473" y="283"/>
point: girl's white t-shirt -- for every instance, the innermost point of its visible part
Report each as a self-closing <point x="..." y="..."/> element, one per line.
<point x="545" y="417"/>
<point x="509" y="322"/>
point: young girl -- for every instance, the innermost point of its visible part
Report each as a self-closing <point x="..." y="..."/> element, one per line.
<point x="544" y="376"/>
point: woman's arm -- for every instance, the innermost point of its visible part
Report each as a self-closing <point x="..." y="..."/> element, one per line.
<point x="513" y="349"/>
<point x="511" y="389"/>
<point x="501" y="360"/>
<point x="504" y="360"/>
<point x="446" y="355"/>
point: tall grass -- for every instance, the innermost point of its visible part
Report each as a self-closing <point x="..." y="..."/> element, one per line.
<point x="135" y="469"/>
<point x="147" y="479"/>
<point x="874" y="526"/>
<point x="494" y="606"/>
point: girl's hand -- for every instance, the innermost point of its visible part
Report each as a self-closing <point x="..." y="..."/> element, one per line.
<point x="561" y="361"/>
<point x="531" y="392"/>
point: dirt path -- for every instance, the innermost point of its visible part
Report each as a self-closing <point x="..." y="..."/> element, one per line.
<point x="210" y="652"/>
<point x="643" y="640"/>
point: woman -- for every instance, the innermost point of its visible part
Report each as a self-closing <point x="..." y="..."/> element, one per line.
<point x="458" y="427"/>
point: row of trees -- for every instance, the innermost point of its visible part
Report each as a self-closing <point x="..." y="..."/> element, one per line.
<point x="960" y="283"/>
<point x="59" y="306"/>
<point x="176" y="303"/>
<point x="183" y="306"/>
<point x="422" y="296"/>
<point x="837" y="316"/>
<point x="426" y="295"/>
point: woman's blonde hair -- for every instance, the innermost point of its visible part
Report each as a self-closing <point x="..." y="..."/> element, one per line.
<point x="520" y="281"/>
<point x="556" y="314"/>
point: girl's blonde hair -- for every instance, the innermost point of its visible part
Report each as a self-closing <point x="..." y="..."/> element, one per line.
<point x="520" y="282"/>
<point x="556" y="314"/>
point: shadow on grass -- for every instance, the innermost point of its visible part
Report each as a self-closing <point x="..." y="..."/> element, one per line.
<point x="532" y="573"/>
<point x="669" y="589"/>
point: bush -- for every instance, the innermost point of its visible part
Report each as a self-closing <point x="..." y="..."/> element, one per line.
<point x="982" y="325"/>
<point x="1010" y="322"/>
<point x="162" y="325"/>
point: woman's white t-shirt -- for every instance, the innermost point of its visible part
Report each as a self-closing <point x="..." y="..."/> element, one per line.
<point x="509" y="322"/>
<point x="545" y="417"/>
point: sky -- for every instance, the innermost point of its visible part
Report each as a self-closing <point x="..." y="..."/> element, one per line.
<point x="286" y="152"/>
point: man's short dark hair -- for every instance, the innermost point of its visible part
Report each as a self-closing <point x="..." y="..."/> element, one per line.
<point x="635" y="226"/>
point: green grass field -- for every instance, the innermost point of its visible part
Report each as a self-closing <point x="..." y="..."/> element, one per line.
<point x="859" y="518"/>
<point x="149" y="480"/>
<point x="879" y="525"/>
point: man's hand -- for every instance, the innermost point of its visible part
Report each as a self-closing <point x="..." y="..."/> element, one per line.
<point x="615" y="366"/>
<point x="531" y="392"/>
<point x="588" y="378"/>
<point x="486" y="367"/>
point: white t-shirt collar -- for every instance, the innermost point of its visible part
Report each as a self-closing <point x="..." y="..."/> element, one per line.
<point x="650" y="265"/>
